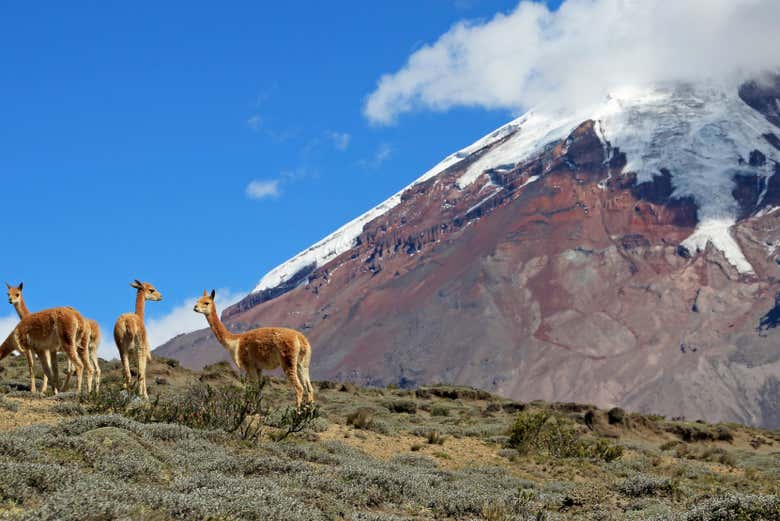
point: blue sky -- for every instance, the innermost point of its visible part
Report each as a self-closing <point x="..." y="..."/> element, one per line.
<point x="131" y="133"/>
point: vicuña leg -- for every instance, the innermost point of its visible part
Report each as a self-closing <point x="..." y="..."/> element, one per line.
<point x="96" y="367"/>
<point x="292" y="375"/>
<point x="49" y="370"/>
<point x="303" y="376"/>
<point x="31" y="366"/>
<point x="85" y="360"/>
<point x="141" y="349"/>
<point x="78" y="366"/>
<point x="125" y="356"/>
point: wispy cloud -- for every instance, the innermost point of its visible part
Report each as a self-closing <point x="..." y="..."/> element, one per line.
<point x="340" y="140"/>
<point x="383" y="153"/>
<point x="581" y="52"/>
<point x="263" y="189"/>
<point x="254" y="122"/>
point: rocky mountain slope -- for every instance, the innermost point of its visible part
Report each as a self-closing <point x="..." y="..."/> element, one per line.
<point x="622" y="254"/>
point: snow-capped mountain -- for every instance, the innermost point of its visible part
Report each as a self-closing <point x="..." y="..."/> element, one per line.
<point x="620" y="253"/>
<point x="702" y="135"/>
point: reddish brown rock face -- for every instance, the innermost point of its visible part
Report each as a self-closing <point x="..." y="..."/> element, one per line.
<point x="570" y="287"/>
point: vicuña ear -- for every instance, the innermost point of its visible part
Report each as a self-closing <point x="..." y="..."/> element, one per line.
<point x="136" y="284"/>
<point x="212" y="294"/>
<point x="21" y="285"/>
<point x="9" y="287"/>
<point x="205" y="293"/>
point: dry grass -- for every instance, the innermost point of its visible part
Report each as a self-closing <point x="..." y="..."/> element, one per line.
<point x="372" y="456"/>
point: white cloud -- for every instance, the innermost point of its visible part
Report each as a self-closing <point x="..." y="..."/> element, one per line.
<point x="260" y="189"/>
<point x="383" y="153"/>
<point x="340" y="140"/>
<point x="7" y="324"/>
<point x="582" y="51"/>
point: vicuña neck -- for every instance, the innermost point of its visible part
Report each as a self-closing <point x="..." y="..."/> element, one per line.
<point x="140" y="301"/>
<point x="223" y="335"/>
<point x="21" y="308"/>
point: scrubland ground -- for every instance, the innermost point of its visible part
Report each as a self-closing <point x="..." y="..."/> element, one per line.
<point x="208" y="447"/>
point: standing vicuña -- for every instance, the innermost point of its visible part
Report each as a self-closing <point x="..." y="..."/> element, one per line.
<point x="264" y="348"/>
<point x="16" y="300"/>
<point x="88" y="348"/>
<point x="130" y="334"/>
<point x="45" y="333"/>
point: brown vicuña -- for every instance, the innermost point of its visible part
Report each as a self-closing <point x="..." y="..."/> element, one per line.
<point x="264" y="348"/>
<point x="130" y="335"/>
<point x="89" y="344"/>
<point x="15" y="299"/>
<point x="45" y="333"/>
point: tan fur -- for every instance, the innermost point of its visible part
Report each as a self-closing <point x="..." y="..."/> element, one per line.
<point x="130" y="335"/>
<point x="17" y="301"/>
<point x="47" y="332"/>
<point x="16" y="298"/>
<point x="88" y="351"/>
<point x="264" y="348"/>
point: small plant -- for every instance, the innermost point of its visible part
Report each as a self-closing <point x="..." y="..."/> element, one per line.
<point x="735" y="507"/>
<point x="641" y="485"/>
<point x="525" y="431"/>
<point x="8" y="405"/>
<point x="69" y="409"/>
<point x="440" y="410"/>
<point x="296" y="420"/>
<point x="616" y="415"/>
<point x="435" y="438"/>
<point x="402" y="406"/>
<point x="361" y="418"/>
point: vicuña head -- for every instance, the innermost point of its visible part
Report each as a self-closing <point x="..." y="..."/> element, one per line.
<point x="14" y="293"/>
<point x="205" y="304"/>
<point x="149" y="291"/>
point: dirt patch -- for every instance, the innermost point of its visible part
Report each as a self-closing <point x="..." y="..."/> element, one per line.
<point x="30" y="411"/>
<point x="455" y="453"/>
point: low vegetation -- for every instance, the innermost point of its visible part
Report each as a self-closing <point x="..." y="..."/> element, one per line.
<point x="208" y="445"/>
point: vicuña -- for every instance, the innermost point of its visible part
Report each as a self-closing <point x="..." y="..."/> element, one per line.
<point x="264" y="348"/>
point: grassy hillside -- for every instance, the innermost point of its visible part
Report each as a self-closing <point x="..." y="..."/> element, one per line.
<point x="365" y="454"/>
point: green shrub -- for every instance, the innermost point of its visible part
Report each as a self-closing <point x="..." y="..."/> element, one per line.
<point x="525" y="432"/>
<point x="440" y="410"/>
<point x="723" y="433"/>
<point x="737" y="507"/>
<point x="8" y="405"/>
<point x="401" y="406"/>
<point x="539" y="431"/>
<point x="238" y="410"/>
<point x="641" y="485"/>
<point x="616" y="415"/>
<point x="361" y="418"/>
<point x="69" y="409"/>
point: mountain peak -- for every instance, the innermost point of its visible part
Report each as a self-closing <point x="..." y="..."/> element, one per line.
<point x="622" y="254"/>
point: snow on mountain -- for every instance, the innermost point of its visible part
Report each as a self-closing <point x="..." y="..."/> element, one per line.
<point x="344" y="238"/>
<point x="701" y="135"/>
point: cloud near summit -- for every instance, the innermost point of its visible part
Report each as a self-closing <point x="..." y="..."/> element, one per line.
<point x="580" y="52"/>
